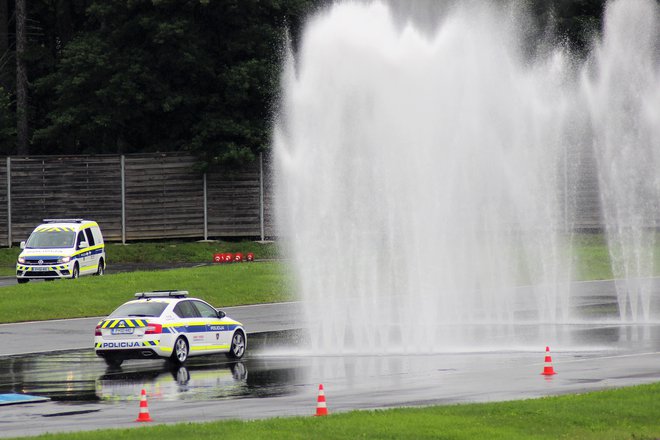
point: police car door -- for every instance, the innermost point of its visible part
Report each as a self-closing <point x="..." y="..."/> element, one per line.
<point x="190" y="324"/>
<point x="216" y="336"/>
<point x="82" y="255"/>
<point x="93" y="257"/>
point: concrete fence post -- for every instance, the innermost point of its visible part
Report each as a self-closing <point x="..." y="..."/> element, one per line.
<point x="261" y="195"/>
<point x="9" y="238"/>
<point x="123" y="200"/>
<point x="206" y="210"/>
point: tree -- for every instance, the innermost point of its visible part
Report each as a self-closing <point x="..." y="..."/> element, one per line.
<point x="167" y="75"/>
<point x="21" y="81"/>
<point x="4" y="30"/>
<point x="7" y="124"/>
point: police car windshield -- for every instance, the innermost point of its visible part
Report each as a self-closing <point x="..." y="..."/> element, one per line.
<point x="51" y="239"/>
<point x="140" y="309"/>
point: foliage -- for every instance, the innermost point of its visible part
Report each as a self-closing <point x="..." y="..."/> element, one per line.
<point x="575" y="22"/>
<point x="168" y="75"/>
<point x="129" y="76"/>
<point x="7" y="123"/>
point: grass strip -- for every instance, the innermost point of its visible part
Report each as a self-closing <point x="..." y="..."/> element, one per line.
<point x="221" y="285"/>
<point x="626" y="413"/>
<point x="161" y="252"/>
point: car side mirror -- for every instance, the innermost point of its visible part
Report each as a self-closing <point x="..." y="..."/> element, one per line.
<point x="83" y="245"/>
<point x="22" y="246"/>
<point x="221" y="314"/>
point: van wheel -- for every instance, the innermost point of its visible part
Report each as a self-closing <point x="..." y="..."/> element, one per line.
<point x="22" y="280"/>
<point x="75" y="273"/>
<point x="101" y="270"/>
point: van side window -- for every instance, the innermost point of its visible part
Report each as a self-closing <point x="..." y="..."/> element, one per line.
<point x="81" y="238"/>
<point x="96" y="232"/>
<point x="90" y="237"/>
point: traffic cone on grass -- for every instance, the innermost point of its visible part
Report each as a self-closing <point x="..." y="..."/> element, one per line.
<point x="321" y="408"/>
<point x="547" y="368"/>
<point x="144" y="409"/>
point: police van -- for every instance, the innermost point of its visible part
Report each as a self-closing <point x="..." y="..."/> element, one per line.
<point x="62" y="248"/>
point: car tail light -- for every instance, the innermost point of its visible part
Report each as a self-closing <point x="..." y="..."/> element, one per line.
<point x="153" y="329"/>
<point x="97" y="331"/>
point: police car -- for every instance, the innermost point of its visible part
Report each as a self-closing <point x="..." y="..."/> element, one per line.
<point x="167" y="324"/>
<point x="62" y="248"/>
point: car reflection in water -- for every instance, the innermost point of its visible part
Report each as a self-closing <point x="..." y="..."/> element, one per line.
<point x="202" y="379"/>
<point x="79" y="376"/>
<point x="168" y="382"/>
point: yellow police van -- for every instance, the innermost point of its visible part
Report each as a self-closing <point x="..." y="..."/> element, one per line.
<point x="62" y="248"/>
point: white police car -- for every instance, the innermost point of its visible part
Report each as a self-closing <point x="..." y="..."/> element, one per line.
<point x="169" y="325"/>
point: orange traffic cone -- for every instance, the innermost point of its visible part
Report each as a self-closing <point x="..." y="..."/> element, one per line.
<point x="547" y="369"/>
<point x="144" y="409"/>
<point x="321" y="408"/>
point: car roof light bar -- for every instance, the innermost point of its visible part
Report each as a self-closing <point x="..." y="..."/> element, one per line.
<point x="163" y="294"/>
<point x="63" y="220"/>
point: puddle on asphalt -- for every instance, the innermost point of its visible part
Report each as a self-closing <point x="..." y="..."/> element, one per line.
<point x="79" y="376"/>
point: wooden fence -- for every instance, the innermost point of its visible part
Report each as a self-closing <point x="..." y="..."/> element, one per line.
<point x="135" y="197"/>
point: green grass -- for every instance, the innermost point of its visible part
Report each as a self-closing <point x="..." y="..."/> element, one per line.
<point x="627" y="413"/>
<point x="591" y="258"/>
<point x="221" y="285"/>
<point x="590" y="254"/>
<point x="161" y="252"/>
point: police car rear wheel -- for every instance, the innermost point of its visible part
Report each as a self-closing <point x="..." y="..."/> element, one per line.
<point x="101" y="270"/>
<point x="237" y="349"/>
<point x="180" y="353"/>
<point x="113" y="362"/>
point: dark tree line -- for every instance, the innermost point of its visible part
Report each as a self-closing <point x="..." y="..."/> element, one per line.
<point x="123" y="76"/>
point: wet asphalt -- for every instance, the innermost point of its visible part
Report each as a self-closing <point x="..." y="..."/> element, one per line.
<point x="281" y="373"/>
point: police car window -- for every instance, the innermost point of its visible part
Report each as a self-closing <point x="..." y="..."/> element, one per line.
<point x="150" y="308"/>
<point x="185" y="309"/>
<point x="90" y="237"/>
<point x="205" y="310"/>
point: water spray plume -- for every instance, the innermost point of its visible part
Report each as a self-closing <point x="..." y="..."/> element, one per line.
<point x="423" y="178"/>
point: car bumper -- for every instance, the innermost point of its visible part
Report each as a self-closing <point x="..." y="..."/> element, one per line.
<point x="136" y="348"/>
<point x="62" y="270"/>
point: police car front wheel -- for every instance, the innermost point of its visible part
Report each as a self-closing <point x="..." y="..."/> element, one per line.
<point x="180" y="352"/>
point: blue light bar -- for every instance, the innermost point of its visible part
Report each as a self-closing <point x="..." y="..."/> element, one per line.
<point x="163" y="294"/>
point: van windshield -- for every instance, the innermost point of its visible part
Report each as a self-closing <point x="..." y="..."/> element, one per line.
<point x="51" y="239"/>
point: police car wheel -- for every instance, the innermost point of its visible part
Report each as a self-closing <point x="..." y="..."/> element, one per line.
<point x="22" y="280"/>
<point x="180" y="352"/>
<point x="113" y="362"/>
<point x="237" y="349"/>
<point x="101" y="270"/>
<point x="75" y="273"/>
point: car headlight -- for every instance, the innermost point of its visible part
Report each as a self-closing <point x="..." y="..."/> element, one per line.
<point x="64" y="259"/>
<point x="21" y="260"/>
